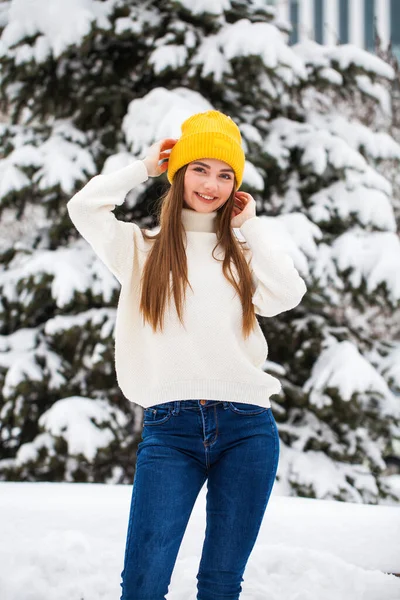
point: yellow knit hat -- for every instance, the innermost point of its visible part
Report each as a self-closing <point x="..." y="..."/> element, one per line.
<point x="208" y="134"/>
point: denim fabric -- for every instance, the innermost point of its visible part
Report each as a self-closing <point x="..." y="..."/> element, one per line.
<point x="235" y="448"/>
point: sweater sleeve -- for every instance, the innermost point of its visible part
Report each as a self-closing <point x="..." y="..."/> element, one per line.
<point x="91" y="208"/>
<point x="278" y="286"/>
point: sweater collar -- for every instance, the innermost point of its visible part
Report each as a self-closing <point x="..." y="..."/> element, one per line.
<point x="196" y="221"/>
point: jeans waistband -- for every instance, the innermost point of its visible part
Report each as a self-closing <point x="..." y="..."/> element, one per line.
<point x="177" y="405"/>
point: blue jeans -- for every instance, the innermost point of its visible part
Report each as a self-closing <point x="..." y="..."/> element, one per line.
<point x="232" y="445"/>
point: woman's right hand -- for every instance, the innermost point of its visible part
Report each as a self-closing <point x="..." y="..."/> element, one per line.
<point x="159" y="151"/>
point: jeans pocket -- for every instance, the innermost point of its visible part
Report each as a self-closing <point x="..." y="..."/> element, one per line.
<point x="158" y="414"/>
<point x="243" y="408"/>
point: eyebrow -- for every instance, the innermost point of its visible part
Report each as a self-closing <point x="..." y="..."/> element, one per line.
<point x="197" y="162"/>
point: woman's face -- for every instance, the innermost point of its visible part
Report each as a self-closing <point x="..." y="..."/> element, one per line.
<point x="208" y="184"/>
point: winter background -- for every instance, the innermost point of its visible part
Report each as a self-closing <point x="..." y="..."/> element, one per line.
<point x="85" y="87"/>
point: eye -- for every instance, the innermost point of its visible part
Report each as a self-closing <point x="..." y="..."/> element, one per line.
<point x="198" y="169"/>
<point x="226" y="176"/>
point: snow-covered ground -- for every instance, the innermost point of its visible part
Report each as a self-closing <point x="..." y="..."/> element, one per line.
<point x="63" y="541"/>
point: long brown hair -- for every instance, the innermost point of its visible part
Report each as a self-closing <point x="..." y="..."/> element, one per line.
<point x="167" y="256"/>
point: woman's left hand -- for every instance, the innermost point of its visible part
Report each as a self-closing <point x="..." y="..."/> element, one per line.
<point x="244" y="209"/>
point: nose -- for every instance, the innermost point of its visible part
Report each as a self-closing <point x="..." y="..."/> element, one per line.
<point x="211" y="184"/>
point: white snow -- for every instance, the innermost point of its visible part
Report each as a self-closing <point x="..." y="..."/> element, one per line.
<point x="375" y="90"/>
<point x="304" y="235"/>
<point x="12" y="179"/>
<point x="210" y="56"/>
<point x="242" y="39"/>
<point x="18" y="357"/>
<point x="73" y="269"/>
<point x="320" y="148"/>
<point x="61" y="166"/>
<point x="79" y="421"/>
<point x="374" y="258"/>
<point x="370" y="206"/>
<point x="141" y="15"/>
<point x="59" y="160"/>
<point x="159" y="115"/>
<point x="4" y="9"/>
<point x="334" y="477"/>
<point x="252" y="177"/>
<point x="331" y="75"/>
<point x="312" y="53"/>
<point x="375" y="144"/>
<point x="58" y="25"/>
<point x="346" y="55"/>
<point x="369" y="178"/>
<point x="67" y="541"/>
<point x="212" y="7"/>
<point x="390" y="366"/>
<point x="169" y="56"/>
<point x="342" y="56"/>
<point x="250" y="133"/>
<point x="341" y="366"/>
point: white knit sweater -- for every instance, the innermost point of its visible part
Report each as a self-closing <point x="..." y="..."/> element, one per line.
<point x="208" y="358"/>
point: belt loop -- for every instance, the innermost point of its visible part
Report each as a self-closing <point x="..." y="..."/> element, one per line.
<point x="176" y="407"/>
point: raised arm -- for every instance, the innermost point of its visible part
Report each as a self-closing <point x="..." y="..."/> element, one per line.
<point x="278" y="285"/>
<point x="91" y="208"/>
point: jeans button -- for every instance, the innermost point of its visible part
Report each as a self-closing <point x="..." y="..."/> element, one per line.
<point x="202" y="402"/>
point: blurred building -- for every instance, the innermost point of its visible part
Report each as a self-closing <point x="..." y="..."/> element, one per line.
<point x="343" y="21"/>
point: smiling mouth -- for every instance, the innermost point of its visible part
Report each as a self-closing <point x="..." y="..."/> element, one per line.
<point x="205" y="197"/>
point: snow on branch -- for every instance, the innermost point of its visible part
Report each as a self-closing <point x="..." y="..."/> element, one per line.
<point x="160" y="114"/>
<point x="320" y="148"/>
<point x="170" y="56"/>
<point x="58" y="160"/>
<point x="84" y="424"/>
<point x="55" y="26"/>
<point x="341" y="366"/>
<point x="377" y="145"/>
<point x="68" y="272"/>
<point x="17" y="355"/>
<point x="199" y="7"/>
<point x="346" y="55"/>
<point x="389" y="366"/>
<point x="342" y="57"/>
<point x="372" y="207"/>
<point x="373" y="257"/>
<point x="368" y="259"/>
<point x="334" y="476"/>
<point x="246" y="39"/>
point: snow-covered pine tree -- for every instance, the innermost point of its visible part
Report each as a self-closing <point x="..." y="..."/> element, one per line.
<point x="87" y="88"/>
<point x="391" y="169"/>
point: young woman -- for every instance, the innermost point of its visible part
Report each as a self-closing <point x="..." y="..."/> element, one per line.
<point x="194" y="363"/>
